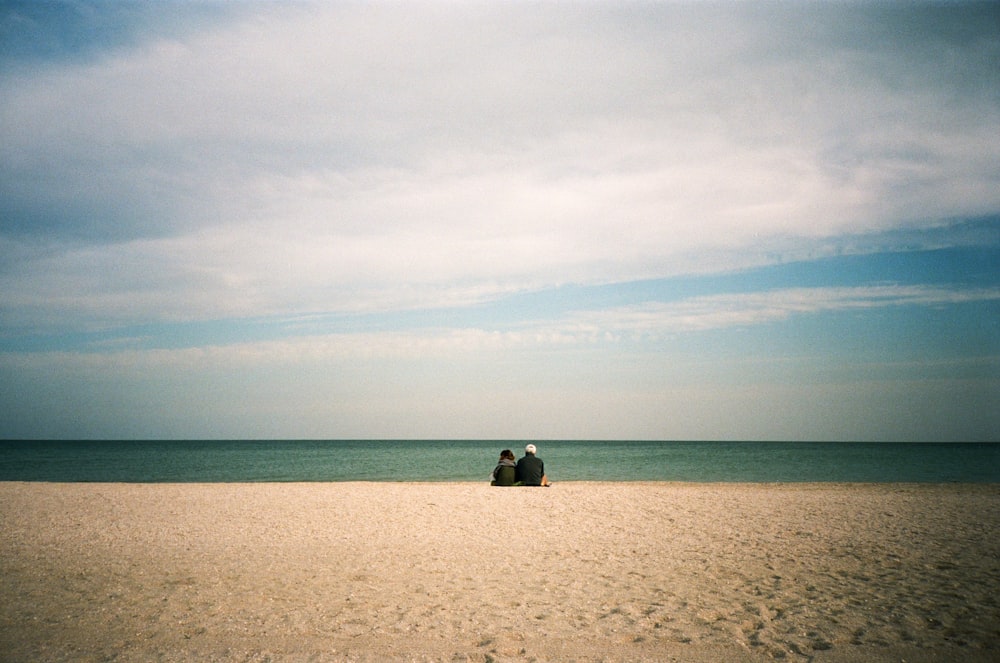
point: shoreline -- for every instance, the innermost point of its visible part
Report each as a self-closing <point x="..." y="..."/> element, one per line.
<point x="587" y="571"/>
<point x="483" y="483"/>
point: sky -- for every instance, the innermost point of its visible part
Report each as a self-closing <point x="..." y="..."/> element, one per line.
<point x="517" y="220"/>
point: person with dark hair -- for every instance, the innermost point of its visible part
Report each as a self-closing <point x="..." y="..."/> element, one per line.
<point x="530" y="469"/>
<point x="504" y="474"/>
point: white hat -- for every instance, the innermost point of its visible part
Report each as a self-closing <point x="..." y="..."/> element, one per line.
<point x="530" y="449"/>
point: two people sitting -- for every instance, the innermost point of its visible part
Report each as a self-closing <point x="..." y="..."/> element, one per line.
<point x="529" y="471"/>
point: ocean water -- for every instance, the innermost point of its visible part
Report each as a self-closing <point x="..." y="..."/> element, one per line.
<point x="472" y="460"/>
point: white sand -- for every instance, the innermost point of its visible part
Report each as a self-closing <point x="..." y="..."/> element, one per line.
<point x="457" y="572"/>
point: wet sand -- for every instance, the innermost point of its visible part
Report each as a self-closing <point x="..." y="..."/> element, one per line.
<point x="466" y="572"/>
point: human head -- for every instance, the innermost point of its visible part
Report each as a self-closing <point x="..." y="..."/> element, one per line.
<point x="507" y="453"/>
<point x="530" y="449"/>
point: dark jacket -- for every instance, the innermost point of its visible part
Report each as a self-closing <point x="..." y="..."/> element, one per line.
<point x="504" y="474"/>
<point x="530" y="470"/>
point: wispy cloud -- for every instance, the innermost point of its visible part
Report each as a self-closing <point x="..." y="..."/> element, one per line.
<point x="209" y="168"/>
<point x="747" y="309"/>
<point x="302" y="342"/>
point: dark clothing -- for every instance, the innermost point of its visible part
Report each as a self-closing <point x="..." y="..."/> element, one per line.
<point x="530" y="470"/>
<point x="504" y="474"/>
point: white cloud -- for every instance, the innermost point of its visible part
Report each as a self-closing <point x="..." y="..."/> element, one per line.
<point x="747" y="309"/>
<point x="477" y="384"/>
<point x="304" y="346"/>
<point x="339" y="157"/>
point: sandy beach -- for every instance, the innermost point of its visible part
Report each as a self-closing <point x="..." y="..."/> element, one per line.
<point x="466" y="572"/>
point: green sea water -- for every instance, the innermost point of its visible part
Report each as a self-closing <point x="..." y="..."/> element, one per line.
<point x="472" y="460"/>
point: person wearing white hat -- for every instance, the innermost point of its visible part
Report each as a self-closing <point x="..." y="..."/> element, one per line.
<point x="530" y="470"/>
